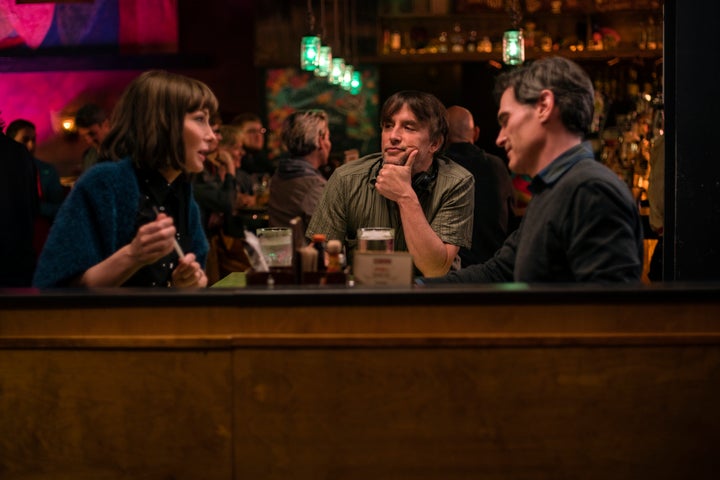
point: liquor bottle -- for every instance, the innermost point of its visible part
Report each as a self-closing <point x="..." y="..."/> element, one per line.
<point x="472" y="42"/>
<point x="443" y="43"/>
<point x="485" y="45"/>
<point x="457" y="41"/>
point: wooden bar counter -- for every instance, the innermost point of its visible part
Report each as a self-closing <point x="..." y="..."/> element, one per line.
<point x="490" y="382"/>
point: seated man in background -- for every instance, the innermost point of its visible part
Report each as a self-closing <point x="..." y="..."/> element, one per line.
<point x="231" y="145"/>
<point x="493" y="188"/>
<point x="215" y="188"/>
<point x="252" y="138"/>
<point x="18" y="209"/>
<point x="50" y="191"/>
<point x="426" y="198"/>
<point x="93" y="125"/>
<point x="582" y="224"/>
<point x="216" y="192"/>
<point x="298" y="182"/>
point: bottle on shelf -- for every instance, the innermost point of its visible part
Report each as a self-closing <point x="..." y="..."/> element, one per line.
<point x="485" y="45"/>
<point x="395" y="41"/>
<point x="443" y="43"/>
<point x="386" y="42"/>
<point x="457" y="39"/>
<point x="472" y="42"/>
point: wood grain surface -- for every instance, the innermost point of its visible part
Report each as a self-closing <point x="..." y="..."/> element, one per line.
<point x="528" y="390"/>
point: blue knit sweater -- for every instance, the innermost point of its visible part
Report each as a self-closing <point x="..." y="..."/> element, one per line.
<point x="97" y="219"/>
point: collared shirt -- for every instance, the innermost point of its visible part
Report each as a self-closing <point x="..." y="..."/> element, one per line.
<point x="582" y="225"/>
<point x="350" y="202"/>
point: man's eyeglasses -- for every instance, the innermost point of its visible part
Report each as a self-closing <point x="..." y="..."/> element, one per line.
<point x="256" y="131"/>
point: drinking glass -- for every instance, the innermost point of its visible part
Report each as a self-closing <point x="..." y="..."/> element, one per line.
<point x="376" y="239"/>
<point x="276" y="245"/>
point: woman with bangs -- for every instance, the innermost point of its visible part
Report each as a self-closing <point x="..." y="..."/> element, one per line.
<point x="132" y="219"/>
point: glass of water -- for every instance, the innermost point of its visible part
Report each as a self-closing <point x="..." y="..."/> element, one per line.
<point x="276" y="246"/>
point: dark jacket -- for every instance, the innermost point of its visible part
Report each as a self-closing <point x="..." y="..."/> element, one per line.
<point x="493" y="200"/>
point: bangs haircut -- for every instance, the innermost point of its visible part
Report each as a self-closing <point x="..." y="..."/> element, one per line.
<point x="429" y="111"/>
<point x="149" y="118"/>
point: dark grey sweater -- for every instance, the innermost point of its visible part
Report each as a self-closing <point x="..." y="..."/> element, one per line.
<point x="582" y="225"/>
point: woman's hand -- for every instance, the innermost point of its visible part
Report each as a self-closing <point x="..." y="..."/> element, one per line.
<point x="189" y="273"/>
<point x="153" y="241"/>
<point x="226" y="163"/>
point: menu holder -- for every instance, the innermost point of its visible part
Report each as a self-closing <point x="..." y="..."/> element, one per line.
<point x="383" y="269"/>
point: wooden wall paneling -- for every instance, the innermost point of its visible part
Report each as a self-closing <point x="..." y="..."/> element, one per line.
<point x="115" y="414"/>
<point x="498" y="413"/>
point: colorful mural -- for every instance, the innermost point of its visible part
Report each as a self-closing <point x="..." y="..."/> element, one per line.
<point x="128" y="25"/>
<point x="353" y="118"/>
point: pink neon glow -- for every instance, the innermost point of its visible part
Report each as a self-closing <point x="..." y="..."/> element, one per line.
<point x="44" y="96"/>
<point x="151" y="25"/>
<point x="31" y="22"/>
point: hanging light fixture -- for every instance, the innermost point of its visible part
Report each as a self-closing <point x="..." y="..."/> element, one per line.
<point x="325" y="55"/>
<point x="337" y="67"/>
<point x="352" y="79"/>
<point x="337" y="72"/>
<point x="513" y="42"/>
<point x="324" y="61"/>
<point x="513" y="47"/>
<point x="347" y="77"/>
<point x="309" y="53"/>
<point x="310" y="44"/>
<point x="356" y="82"/>
<point x="348" y="71"/>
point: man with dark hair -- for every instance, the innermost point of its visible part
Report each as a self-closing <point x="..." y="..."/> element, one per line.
<point x="252" y="132"/>
<point x="50" y="191"/>
<point x="410" y="187"/>
<point x="493" y="187"/>
<point x="582" y="224"/>
<point x="18" y="208"/>
<point x="298" y="183"/>
<point x="93" y="125"/>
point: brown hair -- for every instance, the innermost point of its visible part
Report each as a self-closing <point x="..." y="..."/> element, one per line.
<point x="426" y="107"/>
<point x="147" y="123"/>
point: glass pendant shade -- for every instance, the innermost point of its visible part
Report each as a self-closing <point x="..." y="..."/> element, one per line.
<point x="324" y="62"/>
<point x="513" y="47"/>
<point x="356" y="83"/>
<point x="347" y="77"/>
<point x="309" y="52"/>
<point x="337" y="71"/>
